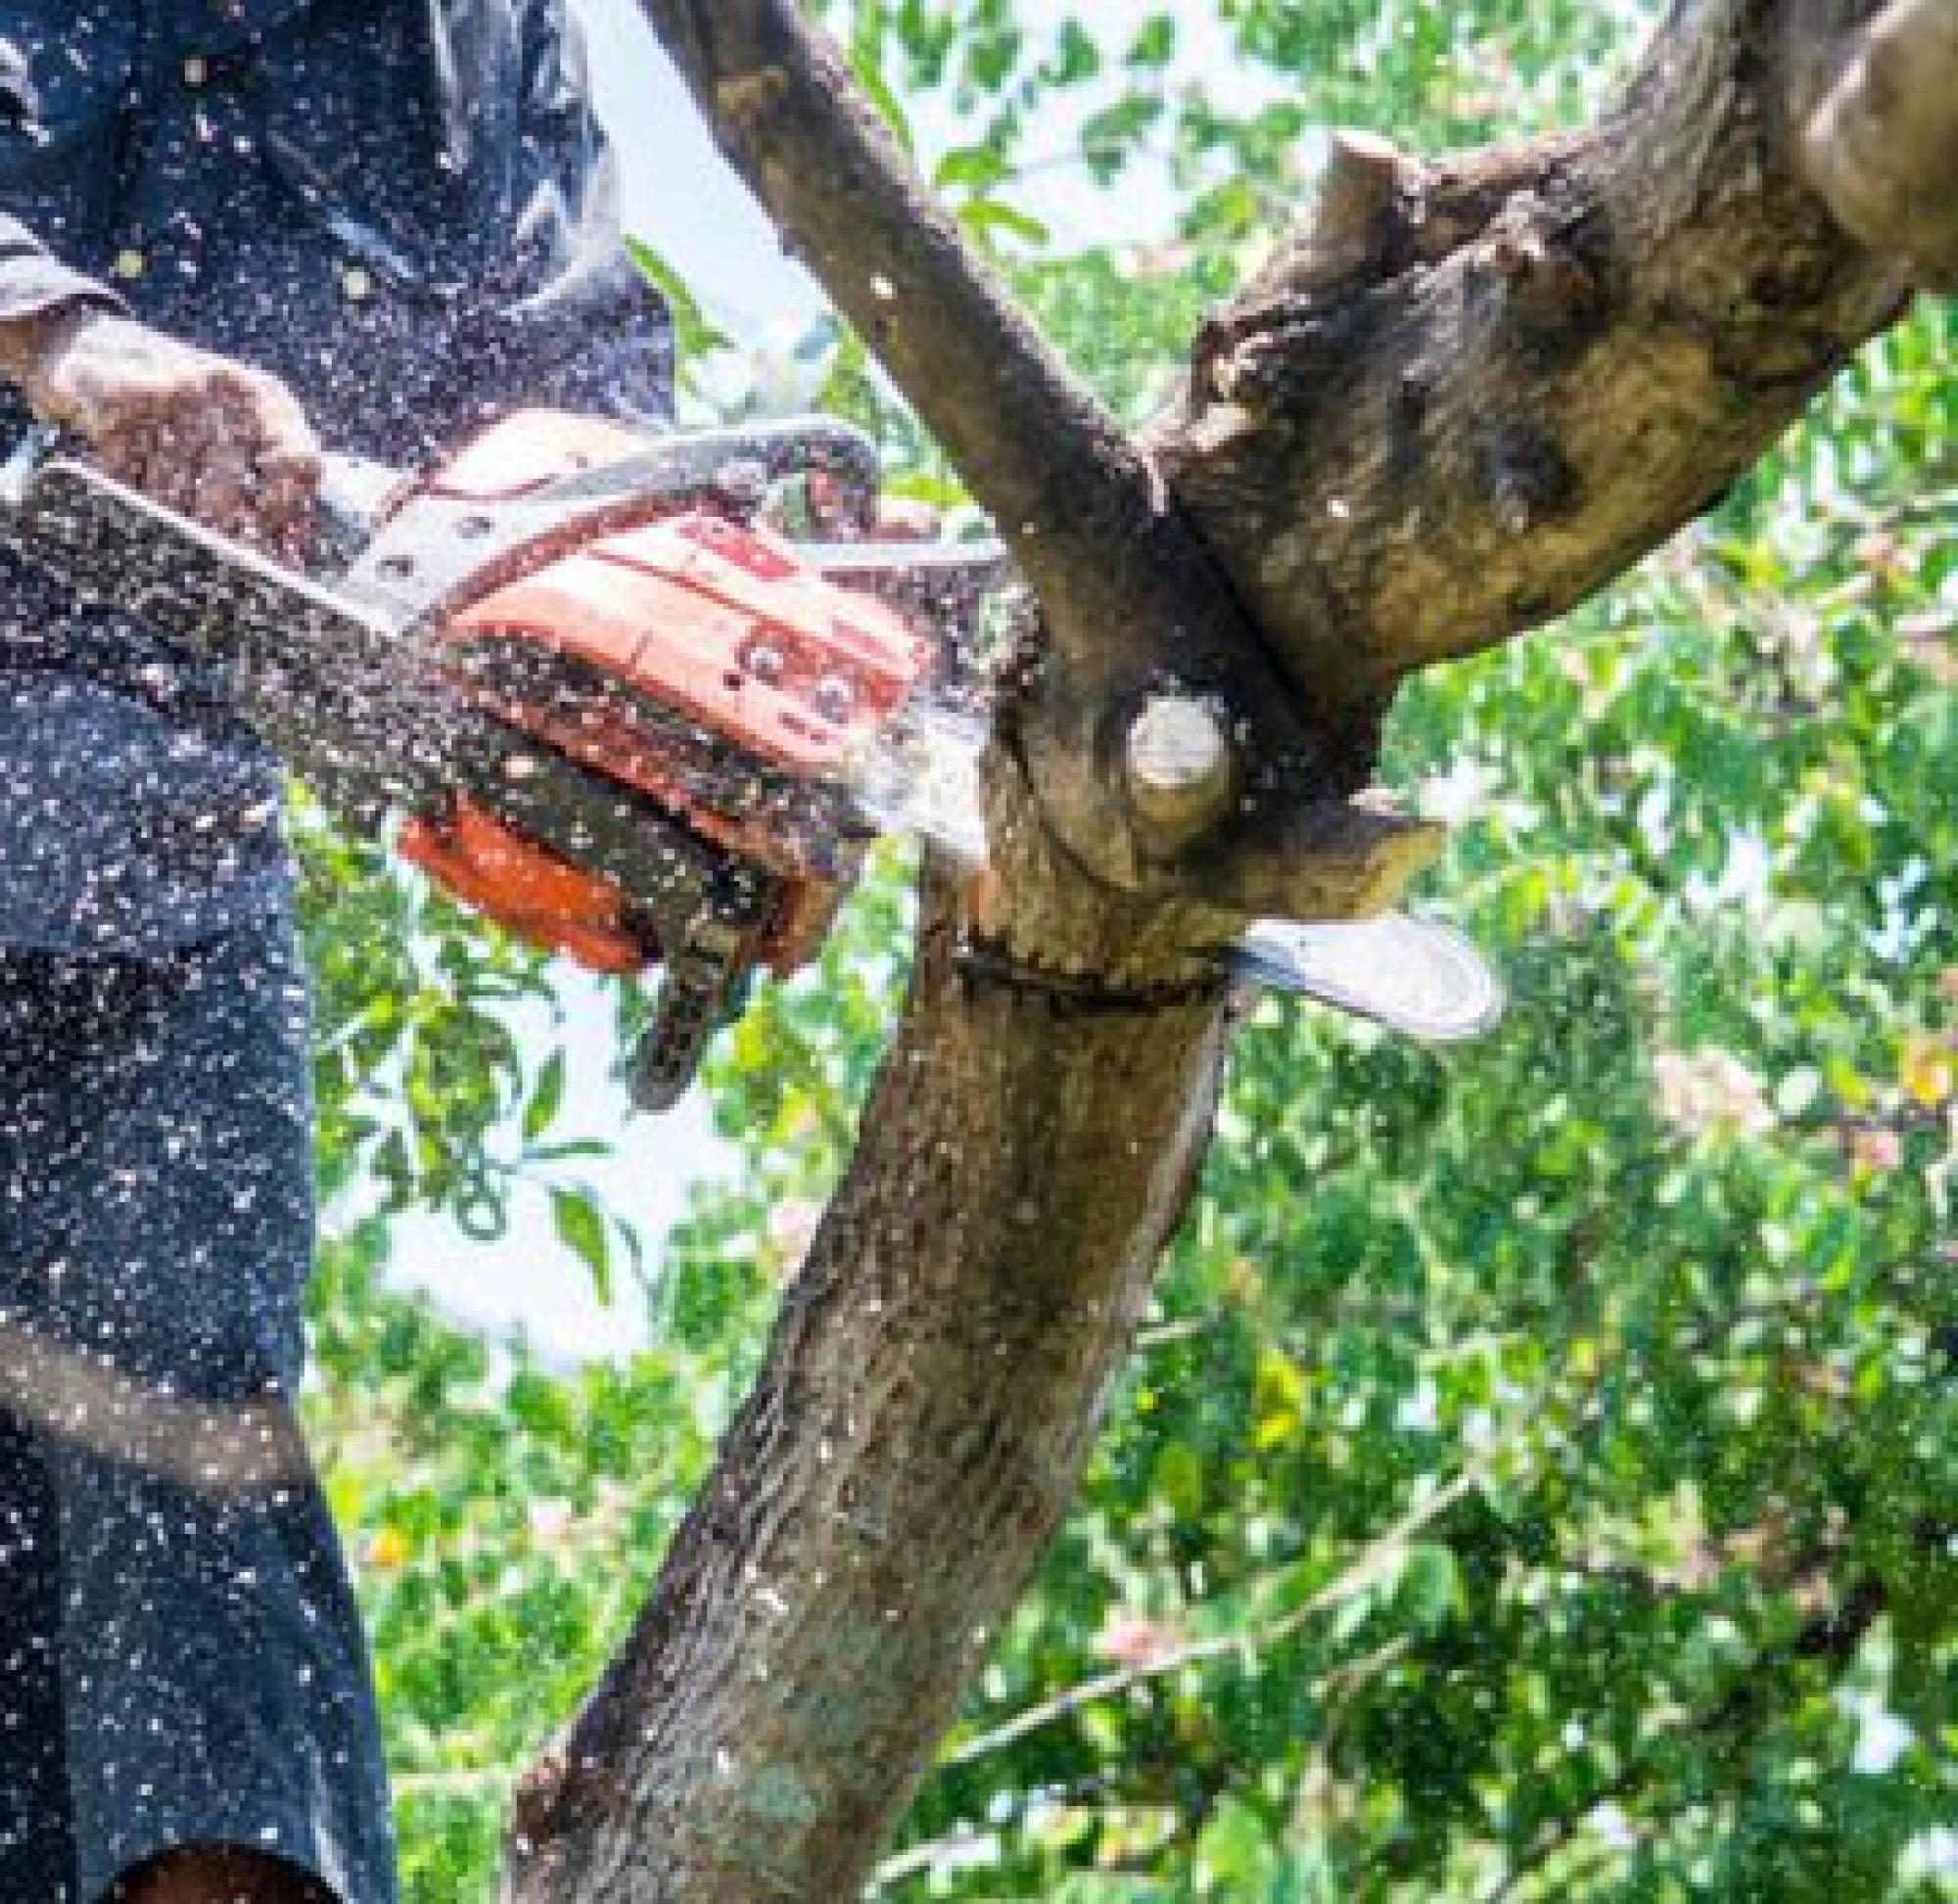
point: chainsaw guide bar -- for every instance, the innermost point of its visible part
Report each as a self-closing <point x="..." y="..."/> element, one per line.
<point x="1415" y="976"/>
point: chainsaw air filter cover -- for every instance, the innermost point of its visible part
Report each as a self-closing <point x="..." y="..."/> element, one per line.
<point x="693" y="659"/>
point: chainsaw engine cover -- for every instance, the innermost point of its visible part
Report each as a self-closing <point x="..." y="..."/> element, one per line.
<point x="698" y="661"/>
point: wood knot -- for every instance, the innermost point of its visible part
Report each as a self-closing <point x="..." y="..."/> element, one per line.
<point x="1528" y="478"/>
<point x="534" y="1802"/>
<point x="1183" y="769"/>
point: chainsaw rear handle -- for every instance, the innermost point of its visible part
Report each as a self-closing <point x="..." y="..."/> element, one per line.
<point x="416" y="550"/>
<point x="732" y="467"/>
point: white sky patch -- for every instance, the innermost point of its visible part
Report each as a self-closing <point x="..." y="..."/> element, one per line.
<point x="682" y="196"/>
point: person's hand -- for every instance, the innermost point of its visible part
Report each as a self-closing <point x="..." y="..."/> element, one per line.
<point x="213" y="439"/>
<point x="897" y="520"/>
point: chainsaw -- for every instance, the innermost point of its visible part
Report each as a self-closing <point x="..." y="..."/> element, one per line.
<point x="591" y="689"/>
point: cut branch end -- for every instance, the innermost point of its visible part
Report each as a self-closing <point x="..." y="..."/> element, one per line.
<point x="1184" y="772"/>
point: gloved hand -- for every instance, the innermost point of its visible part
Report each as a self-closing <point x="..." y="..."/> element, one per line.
<point x="218" y="441"/>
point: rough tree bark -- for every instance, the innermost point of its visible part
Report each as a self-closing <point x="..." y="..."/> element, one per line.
<point x="1466" y="393"/>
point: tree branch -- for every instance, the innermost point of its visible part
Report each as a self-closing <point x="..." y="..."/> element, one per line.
<point x="930" y="1395"/>
<point x="1464" y="396"/>
<point x="1369" y="1568"/>
<point x="1036" y="448"/>
<point x="1883" y="145"/>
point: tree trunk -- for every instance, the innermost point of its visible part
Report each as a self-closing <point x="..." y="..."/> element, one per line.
<point x="931" y="1394"/>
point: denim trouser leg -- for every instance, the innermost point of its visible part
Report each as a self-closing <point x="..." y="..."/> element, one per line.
<point x="183" y="1661"/>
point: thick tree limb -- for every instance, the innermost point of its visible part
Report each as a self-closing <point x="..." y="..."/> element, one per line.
<point x="1074" y="495"/>
<point x="1481" y="389"/>
<point x="1883" y="145"/>
<point x="932" y="1392"/>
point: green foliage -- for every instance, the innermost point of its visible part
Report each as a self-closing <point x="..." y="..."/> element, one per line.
<point x="1539" y="1477"/>
<point x="1540" y="1469"/>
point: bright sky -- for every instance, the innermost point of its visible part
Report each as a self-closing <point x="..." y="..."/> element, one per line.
<point x="683" y="198"/>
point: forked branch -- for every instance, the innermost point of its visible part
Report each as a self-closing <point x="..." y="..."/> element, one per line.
<point x="1133" y="607"/>
<point x="1466" y="396"/>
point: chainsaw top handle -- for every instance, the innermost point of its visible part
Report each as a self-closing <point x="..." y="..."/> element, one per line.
<point x="744" y="459"/>
<point x="736" y="465"/>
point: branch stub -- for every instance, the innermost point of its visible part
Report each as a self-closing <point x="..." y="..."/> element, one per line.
<point x="1182" y="768"/>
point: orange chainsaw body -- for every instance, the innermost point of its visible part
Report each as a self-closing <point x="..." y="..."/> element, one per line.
<point x="692" y="658"/>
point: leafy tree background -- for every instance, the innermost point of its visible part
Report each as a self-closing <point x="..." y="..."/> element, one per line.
<point x="1540" y="1476"/>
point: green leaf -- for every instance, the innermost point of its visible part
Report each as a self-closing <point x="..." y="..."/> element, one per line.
<point x="890" y="108"/>
<point x="695" y="334"/>
<point x="1154" y="45"/>
<point x="1076" y="56"/>
<point x="582" y="1229"/>
<point x="990" y="217"/>
<point x="977" y="168"/>
<point x="546" y="1098"/>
